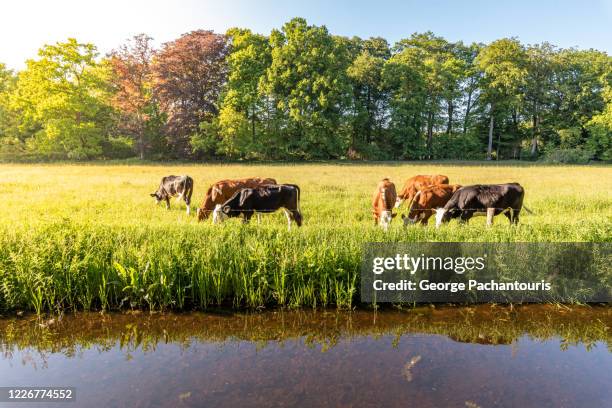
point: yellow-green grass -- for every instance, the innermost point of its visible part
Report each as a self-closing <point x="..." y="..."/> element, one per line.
<point x="83" y="236"/>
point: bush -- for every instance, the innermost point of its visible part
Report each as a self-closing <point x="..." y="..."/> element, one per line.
<point x="568" y="156"/>
<point x="119" y="147"/>
<point x="457" y="146"/>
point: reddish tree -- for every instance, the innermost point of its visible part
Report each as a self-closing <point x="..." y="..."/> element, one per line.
<point x="189" y="75"/>
<point x="132" y="79"/>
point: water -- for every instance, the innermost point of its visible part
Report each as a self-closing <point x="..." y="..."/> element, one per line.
<point x="533" y="356"/>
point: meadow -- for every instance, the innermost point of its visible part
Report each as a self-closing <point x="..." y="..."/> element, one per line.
<point x="89" y="236"/>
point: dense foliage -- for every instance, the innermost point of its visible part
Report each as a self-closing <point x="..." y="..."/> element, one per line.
<point x="304" y="93"/>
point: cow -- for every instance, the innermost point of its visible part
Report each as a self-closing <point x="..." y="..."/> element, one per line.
<point x="417" y="183"/>
<point x="262" y="199"/>
<point x="426" y="201"/>
<point x="223" y="190"/>
<point x="382" y="203"/>
<point x="171" y="186"/>
<point x="492" y="199"/>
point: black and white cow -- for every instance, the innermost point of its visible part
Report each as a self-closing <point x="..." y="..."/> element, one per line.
<point x="264" y="199"/>
<point x="171" y="186"/>
<point x="489" y="200"/>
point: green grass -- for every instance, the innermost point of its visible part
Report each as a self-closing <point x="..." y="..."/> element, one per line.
<point x="88" y="236"/>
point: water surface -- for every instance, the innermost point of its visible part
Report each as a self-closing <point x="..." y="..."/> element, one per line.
<point x="484" y="356"/>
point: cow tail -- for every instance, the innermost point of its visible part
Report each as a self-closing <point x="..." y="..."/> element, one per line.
<point x="298" y="199"/>
<point x="190" y="192"/>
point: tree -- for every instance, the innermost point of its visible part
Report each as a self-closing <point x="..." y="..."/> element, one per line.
<point x="405" y="80"/>
<point x="7" y="117"/>
<point x="132" y="80"/>
<point x="308" y="88"/>
<point x="369" y="95"/>
<point x="189" y="74"/>
<point x="442" y="70"/>
<point x="471" y="81"/>
<point x="538" y="86"/>
<point x="600" y="125"/>
<point x="503" y="65"/>
<point x="243" y="107"/>
<point x="62" y="98"/>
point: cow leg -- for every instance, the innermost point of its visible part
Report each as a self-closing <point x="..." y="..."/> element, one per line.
<point x="465" y="216"/>
<point x="490" y="214"/>
<point x="258" y="218"/>
<point x="515" y="216"/>
<point x="297" y="217"/>
<point x="167" y="203"/>
<point x="188" y="200"/>
<point x="512" y="215"/>
<point x="247" y="216"/>
<point x="288" y="215"/>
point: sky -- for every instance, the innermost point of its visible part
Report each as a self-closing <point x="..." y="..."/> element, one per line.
<point x="26" y="25"/>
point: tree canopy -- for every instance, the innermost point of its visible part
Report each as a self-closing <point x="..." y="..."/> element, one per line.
<point x="302" y="92"/>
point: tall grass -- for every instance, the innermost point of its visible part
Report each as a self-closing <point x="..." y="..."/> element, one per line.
<point x="88" y="237"/>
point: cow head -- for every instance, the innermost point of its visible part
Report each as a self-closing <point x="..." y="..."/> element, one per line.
<point x="385" y="219"/>
<point x="219" y="214"/>
<point x="409" y="221"/>
<point x="157" y="196"/>
<point x="444" y="215"/>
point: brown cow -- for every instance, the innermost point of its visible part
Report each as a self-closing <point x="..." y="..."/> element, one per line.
<point x="417" y="183"/>
<point x="382" y="204"/>
<point x="223" y="190"/>
<point x="427" y="200"/>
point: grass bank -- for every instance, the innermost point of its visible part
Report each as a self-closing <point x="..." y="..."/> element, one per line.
<point x="88" y="237"/>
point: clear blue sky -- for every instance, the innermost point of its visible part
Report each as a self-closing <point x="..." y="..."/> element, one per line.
<point x="26" y="25"/>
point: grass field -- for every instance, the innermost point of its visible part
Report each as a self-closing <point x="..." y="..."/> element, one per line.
<point x="88" y="236"/>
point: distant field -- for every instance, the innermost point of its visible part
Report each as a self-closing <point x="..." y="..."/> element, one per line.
<point x="89" y="236"/>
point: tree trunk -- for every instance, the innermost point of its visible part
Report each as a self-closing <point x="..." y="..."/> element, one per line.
<point x="449" y="126"/>
<point x="429" y="134"/>
<point x="490" y="146"/>
<point x="253" y="123"/>
<point x="467" y="112"/>
<point x="534" y="140"/>
<point x="498" y="146"/>
<point x="141" y="145"/>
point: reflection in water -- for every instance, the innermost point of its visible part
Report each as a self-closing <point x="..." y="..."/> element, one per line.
<point x="465" y="357"/>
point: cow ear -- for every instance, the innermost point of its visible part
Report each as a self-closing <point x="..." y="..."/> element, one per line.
<point x="393" y="215"/>
<point x="244" y="194"/>
<point x="226" y="209"/>
<point x="153" y="194"/>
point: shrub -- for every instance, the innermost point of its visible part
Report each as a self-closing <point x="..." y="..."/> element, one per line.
<point x="568" y="156"/>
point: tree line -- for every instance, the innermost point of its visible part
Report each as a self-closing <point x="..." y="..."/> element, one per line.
<point x="302" y="93"/>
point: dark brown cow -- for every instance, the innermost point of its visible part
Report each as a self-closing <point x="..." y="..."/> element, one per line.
<point x="382" y="203"/>
<point x="223" y="190"/>
<point x="417" y="183"/>
<point x="426" y="201"/>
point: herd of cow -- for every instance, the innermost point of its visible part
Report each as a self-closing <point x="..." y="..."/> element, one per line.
<point x="426" y="195"/>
